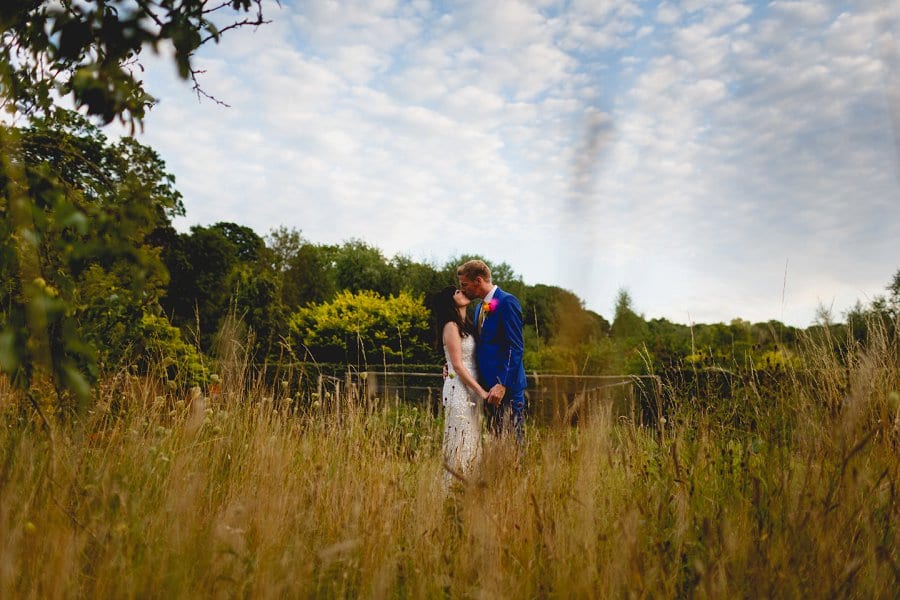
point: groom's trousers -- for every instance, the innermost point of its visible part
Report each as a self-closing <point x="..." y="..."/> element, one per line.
<point x="508" y="417"/>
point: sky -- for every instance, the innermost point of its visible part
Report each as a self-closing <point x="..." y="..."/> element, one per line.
<point x="716" y="159"/>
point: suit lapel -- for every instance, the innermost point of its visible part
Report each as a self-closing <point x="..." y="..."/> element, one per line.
<point x="476" y="314"/>
<point x="498" y="294"/>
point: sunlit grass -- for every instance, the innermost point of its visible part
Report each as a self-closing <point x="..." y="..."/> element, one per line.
<point x="241" y="495"/>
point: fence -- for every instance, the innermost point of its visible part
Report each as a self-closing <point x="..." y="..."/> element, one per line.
<point x="551" y="399"/>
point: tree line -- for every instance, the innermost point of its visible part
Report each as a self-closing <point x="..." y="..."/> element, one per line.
<point x="123" y="287"/>
<point x="95" y="279"/>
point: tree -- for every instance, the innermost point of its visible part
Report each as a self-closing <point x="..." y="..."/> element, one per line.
<point x="76" y="257"/>
<point x="199" y="264"/>
<point x="359" y="266"/>
<point x="881" y="313"/>
<point x="221" y="270"/>
<point x="894" y="289"/>
<point x="254" y="299"/>
<point x="310" y="276"/>
<point x="249" y="246"/>
<point x="306" y="272"/>
<point x="419" y="278"/>
<point x="284" y="244"/>
<point x="365" y="329"/>
<point x="88" y="51"/>
<point x="538" y="309"/>
<point x="562" y="336"/>
<point x="626" y="322"/>
<point x="85" y="53"/>
<point x="559" y="316"/>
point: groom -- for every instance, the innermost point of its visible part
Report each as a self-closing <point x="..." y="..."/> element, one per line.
<point x="499" y="348"/>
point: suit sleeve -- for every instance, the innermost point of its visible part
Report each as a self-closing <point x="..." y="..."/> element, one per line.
<point x="512" y="323"/>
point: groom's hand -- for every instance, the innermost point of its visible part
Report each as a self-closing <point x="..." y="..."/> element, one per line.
<point x="496" y="393"/>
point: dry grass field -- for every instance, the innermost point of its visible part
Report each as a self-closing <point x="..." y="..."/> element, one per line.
<point x="239" y="495"/>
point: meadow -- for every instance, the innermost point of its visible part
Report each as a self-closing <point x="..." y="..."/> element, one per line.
<point x="784" y="491"/>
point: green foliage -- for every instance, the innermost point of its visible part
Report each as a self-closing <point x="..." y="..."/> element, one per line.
<point x="564" y="337"/>
<point x="420" y="278"/>
<point x="364" y="329"/>
<point x="361" y="267"/>
<point x="87" y="51"/>
<point x="199" y="264"/>
<point x="305" y="271"/>
<point x="602" y="356"/>
<point x="217" y="270"/>
<point x="70" y="201"/>
<point x="160" y="344"/>
<point x="248" y="246"/>
<point x="627" y="324"/>
<point x="559" y="316"/>
<point x="283" y="243"/>
<point x="782" y="359"/>
<point x="75" y="258"/>
<point x="255" y="300"/>
<point x="883" y="311"/>
<point x="894" y="290"/>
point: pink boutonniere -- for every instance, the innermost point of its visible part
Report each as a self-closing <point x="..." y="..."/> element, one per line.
<point x="490" y="307"/>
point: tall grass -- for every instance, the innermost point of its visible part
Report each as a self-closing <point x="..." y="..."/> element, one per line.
<point x="250" y="493"/>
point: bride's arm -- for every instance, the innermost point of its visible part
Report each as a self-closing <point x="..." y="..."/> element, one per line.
<point x="453" y="343"/>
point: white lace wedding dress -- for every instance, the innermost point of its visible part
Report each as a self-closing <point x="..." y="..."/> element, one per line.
<point x="462" y="417"/>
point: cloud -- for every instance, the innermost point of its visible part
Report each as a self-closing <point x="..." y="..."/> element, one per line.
<point x="686" y="152"/>
<point x="667" y="13"/>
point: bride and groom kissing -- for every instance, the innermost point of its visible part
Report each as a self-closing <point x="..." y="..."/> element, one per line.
<point x="485" y="370"/>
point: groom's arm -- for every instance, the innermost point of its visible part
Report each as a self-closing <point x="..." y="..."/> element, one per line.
<point x="512" y="322"/>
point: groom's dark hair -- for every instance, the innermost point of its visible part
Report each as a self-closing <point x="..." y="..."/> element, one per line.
<point x="474" y="268"/>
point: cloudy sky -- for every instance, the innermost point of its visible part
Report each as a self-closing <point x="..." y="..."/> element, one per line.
<point x="717" y="159"/>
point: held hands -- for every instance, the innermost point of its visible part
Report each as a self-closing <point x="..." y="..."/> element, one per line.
<point x="495" y="395"/>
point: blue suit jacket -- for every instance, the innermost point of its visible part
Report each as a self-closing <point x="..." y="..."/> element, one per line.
<point x="500" y="347"/>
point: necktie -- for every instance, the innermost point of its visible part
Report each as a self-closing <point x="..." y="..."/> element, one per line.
<point x="481" y="314"/>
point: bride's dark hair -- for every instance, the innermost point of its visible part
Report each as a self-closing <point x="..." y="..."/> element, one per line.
<point x="443" y="311"/>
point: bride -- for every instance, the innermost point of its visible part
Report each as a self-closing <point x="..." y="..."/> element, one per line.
<point x="463" y="396"/>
